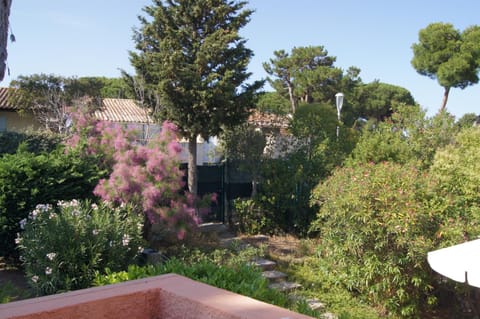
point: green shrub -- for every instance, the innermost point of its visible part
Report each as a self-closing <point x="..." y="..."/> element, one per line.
<point x="27" y="179"/>
<point x="315" y="274"/>
<point x="250" y="218"/>
<point x="62" y="248"/>
<point x="284" y="194"/>
<point x="376" y="229"/>
<point x="456" y="172"/>
<point x="407" y="137"/>
<point x="35" y="142"/>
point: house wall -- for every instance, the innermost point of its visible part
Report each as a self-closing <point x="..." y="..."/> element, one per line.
<point x="12" y="121"/>
<point x="207" y="151"/>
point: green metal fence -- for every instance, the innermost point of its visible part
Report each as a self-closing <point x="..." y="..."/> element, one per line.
<point x="227" y="181"/>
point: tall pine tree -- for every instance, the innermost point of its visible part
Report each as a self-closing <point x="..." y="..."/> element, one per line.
<point x="191" y="54"/>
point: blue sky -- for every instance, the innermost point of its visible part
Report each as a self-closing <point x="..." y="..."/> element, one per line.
<point x="92" y="38"/>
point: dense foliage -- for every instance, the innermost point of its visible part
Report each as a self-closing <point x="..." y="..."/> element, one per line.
<point x="35" y="142"/>
<point x="407" y="137"/>
<point x="376" y="229"/>
<point x="378" y="100"/>
<point x="309" y="154"/>
<point x="305" y="75"/>
<point x="63" y="247"/>
<point x="27" y="179"/>
<point x="456" y="170"/>
<point x="250" y="217"/>
<point x="272" y="102"/>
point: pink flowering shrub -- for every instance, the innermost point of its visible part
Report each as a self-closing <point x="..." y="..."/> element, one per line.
<point x="147" y="176"/>
<point x="99" y="139"/>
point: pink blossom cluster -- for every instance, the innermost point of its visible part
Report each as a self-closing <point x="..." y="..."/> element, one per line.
<point x="101" y="138"/>
<point x="146" y="175"/>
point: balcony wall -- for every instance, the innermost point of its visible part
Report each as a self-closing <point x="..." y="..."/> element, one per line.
<point x="162" y="297"/>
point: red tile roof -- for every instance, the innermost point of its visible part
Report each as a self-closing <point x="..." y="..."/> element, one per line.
<point x="114" y="110"/>
<point x="268" y="120"/>
<point x="5" y="94"/>
<point x="122" y="110"/>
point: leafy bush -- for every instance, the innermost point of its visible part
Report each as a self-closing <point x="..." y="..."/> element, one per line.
<point x="285" y="192"/>
<point x="27" y="179"/>
<point x="63" y="247"/>
<point x="312" y="153"/>
<point x="35" y="142"/>
<point x="376" y="229"/>
<point x="315" y="274"/>
<point x="456" y="172"/>
<point x="251" y="219"/>
<point x="407" y="137"/>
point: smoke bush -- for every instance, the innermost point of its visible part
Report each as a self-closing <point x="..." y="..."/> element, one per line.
<point x="147" y="176"/>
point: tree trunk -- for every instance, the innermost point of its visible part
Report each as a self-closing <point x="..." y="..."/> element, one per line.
<point x="4" y="15"/>
<point x="192" y="166"/>
<point x="445" y="99"/>
<point x="292" y="98"/>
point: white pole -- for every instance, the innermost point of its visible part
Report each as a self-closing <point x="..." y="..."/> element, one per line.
<point x="339" y="102"/>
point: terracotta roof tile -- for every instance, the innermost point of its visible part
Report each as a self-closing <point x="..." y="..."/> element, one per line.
<point x="268" y="120"/>
<point x="5" y="94"/>
<point x="122" y="110"/>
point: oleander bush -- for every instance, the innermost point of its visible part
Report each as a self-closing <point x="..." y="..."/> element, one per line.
<point x="62" y="247"/>
<point x="456" y="168"/>
<point x="375" y="229"/>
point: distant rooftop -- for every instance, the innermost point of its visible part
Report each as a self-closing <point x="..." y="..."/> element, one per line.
<point x="122" y="110"/>
<point x="5" y="94"/>
<point x="268" y="120"/>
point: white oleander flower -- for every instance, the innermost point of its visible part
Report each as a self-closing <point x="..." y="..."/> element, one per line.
<point x="125" y="240"/>
<point x="51" y="256"/>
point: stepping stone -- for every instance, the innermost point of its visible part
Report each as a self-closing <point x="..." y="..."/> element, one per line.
<point x="274" y="275"/>
<point x="328" y="315"/>
<point x="264" y="264"/>
<point x="315" y="304"/>
<point x="212" y="227"/>
<point x="260" y="238"/>
<point x="285" y="286"/>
